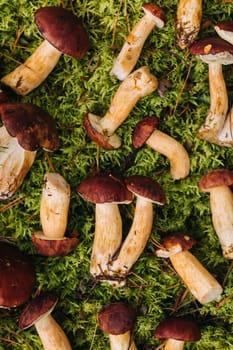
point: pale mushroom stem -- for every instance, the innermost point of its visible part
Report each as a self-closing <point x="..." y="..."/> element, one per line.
<point x="173" y="150"/>
<point x="107" y="238"/>
<point x="173" y="344"/>
<point x="34" y="70"/>
<point x="226" y="134"/>
<point x="122" y="342"/>
<point x="199" y="281"/>
<point x="136" y="239"/>
<point x="51" y="334"/>
<point x="221" y="203"/>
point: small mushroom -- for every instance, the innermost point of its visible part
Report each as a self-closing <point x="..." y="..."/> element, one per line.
<point x="17" y="276"/>
<point x="102" y="130"/>
<point x="118" y="320"/>
<point x="217" y="182"/>
<point x="177" y="331"/>
<point x="106" y="192"/>
<point x="189" y="15"/>
<point x="146" y="132"/>
<point x="131" y="50"/>
<point x="147" y="192"/>
<point x="199" y="281"/>
<point x="63" y="32"/>
<point x="26" y="128"/>
<point x="54" y="207"/>
<point x="225" y="30"/>
<point x="38" y="313"/>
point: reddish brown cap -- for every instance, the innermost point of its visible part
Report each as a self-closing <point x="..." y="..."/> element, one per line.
<point x="117" y="318"/>
<point x="53" y="247"/>
<point x="147" y="188"/>
<point x="225" y="25"/>
<point x="173" y="244"/>
<point x="62" y="29"/>
<point x="154" y="10"/>
<point x="143" y="130"/>
<point x="215" y="178"/>
<point x="17" y="276"/>
<point x="104" y="188"/>
<point x="33" y="127"/>
<point x="178" y="328"/>
<point x="38" y="307"/>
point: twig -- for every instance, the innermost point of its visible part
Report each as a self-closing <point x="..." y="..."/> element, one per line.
<point x="12" y="204"/>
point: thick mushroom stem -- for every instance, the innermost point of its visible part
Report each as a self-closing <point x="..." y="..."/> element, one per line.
<point x="226" y="134"/>
<point x="199" y="281"/>
<point x="34" y="70"/>
<point x="189" y="14"/>
<point x="122" y="341"/>
<point x="51" y="334"/>
<point x="173" y="344"/>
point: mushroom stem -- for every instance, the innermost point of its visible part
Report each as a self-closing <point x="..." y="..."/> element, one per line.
<point x="173" y="344"/>
<point x="122" y="341"/>
<point x="226" y="134"/>
<point x="199" y="281"/>
<point x="34" y="70"/>
<point x="51" y="334"/>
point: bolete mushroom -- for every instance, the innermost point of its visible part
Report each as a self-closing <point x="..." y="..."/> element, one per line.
<point x="63" y="32"/>
<point x="106" y="192"/>
<point x="188" y="21"/>
<point x="146" y="132"/>
<point x="38" y="313"/>
<point x="225" y="30"/>
<point x="102" y="130"/>
<point x="17" y="276"/>
<point x="131" y="50"/>
<point x="217" y="182"/>
<point x="54" y="208"/>
<point x="26" y="128"/>
<point x="147" y="192"/>
<point x="201" y="284"/>
<point x="177" y="331"/>
<point x="118" y="320"/>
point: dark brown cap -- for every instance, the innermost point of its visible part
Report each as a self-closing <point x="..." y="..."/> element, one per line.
<point x="225" y="25"/>
<point x="62" y="29"/>
<point x="117" y="318"/>
<point x="173" y="244"/>
<point x="17" y="276"/>
<point x="215" y="178"/>
<point x="143" y="130"/>
<point x="32" y="126"/>
<point x="154" y="10"/>
<point x="37" y="308"/>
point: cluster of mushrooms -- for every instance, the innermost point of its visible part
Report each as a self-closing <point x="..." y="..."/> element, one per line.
<point x="26" y="128"/>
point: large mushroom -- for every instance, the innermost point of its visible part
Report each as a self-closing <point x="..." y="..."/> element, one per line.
<point x="63" y="32"/>
<point x="147" y="192"/>
<point x="38" y="313"/>
<point x="131" y="50"/>
<point x="118" y="320"/>
<point x="102" y="130"/>
<point x="26" y="128"/>
<point x="54" y="208"/>
<point x="106" y="192"/>
<point x="201" y="284"/>
<point x="217" y="182"/>
<point x="146" y="132"/>
<point x="17" y="276"/>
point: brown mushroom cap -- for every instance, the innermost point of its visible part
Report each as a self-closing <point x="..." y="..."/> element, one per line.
<point x="17" y="276"/>
<point x="225" y="25"/>
<point x="117" y="318"/>
<point x="62" y="29"/>
<point x="178" y="328"/>
<point x="143" y="130"/>
<point x="33" y="127"/>
<point x="154" y="10"/>
<point x="215" y="178"/>
<point x="37" y="308"/>
<point x="146" y="187"/>
<point x="173" y="244"/>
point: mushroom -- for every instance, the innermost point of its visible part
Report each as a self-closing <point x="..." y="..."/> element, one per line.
<point x="188" y="22"/>
<point x="146" y="132"/>
<point x="118" y="319"/>
<point x="217" y="183"/>
<point x="199" y="281"/>
<point x="38" y="313"/>
<point x="131" y="50"/>
<point x="54" y="207"/>
<point x="225" y="30"/>
<point x="17" y="276"/>
<point x="216" y="52"/>
<point x="63" y="32"/>
<point x="106" y="192"/>
<point x="147" y="192"/>
<point x="177" y="331"/>
<point x="102" y="130"/>
<point x="26" y="128"/>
